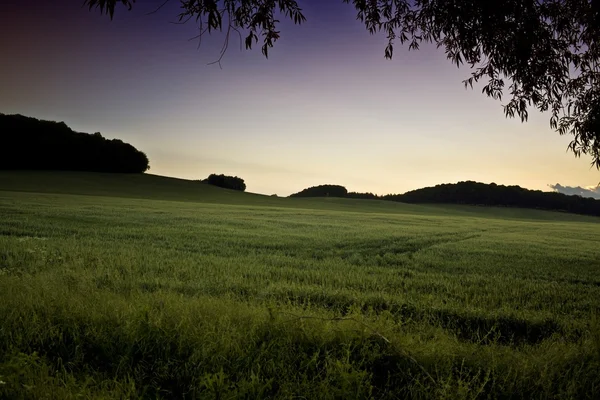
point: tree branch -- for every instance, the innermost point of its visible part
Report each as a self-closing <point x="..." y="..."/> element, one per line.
<point x="158" y="8"/>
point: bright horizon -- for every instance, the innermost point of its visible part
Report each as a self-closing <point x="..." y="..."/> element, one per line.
<point x="325" y="108"/>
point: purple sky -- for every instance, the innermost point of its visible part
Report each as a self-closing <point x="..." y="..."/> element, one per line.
<point x="326" y="107"/>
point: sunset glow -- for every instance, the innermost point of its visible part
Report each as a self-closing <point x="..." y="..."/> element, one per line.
<point x="326" y="107"/>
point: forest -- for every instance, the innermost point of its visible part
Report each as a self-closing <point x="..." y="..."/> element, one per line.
<point x="472" y="193"/>
<point x="33" y="144"/>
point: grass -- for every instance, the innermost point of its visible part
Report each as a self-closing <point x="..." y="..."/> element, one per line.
<point x="147" y="287"/>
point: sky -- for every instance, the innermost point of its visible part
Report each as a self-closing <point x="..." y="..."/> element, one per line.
<point x="326" y="107"/>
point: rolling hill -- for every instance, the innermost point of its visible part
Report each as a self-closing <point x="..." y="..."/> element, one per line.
<point x="155" y="187"/>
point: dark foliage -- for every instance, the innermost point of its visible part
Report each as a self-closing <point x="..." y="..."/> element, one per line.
<point x="472" y="193"/>
<point x="322" y="191"/>
<point x="227" y="182"/>
<point x="543" y="54"/>
<point x="255" y="17"/>
<point x="368" y="195"/>
<point x="29" y="143"/>
<point x="475" y="193"/>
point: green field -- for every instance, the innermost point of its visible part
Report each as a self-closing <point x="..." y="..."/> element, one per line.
<point x="125" y="286"/>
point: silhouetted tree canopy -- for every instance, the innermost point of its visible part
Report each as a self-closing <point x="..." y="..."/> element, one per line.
<point x="533" y="53"/>
<point x="472" y="193"/>
<point x="475" y="193"/>
<point x="29" y="143"/>
<point x="225" y="181"/>
<point x="322" y="191"/>
<point x="357" y="195"/>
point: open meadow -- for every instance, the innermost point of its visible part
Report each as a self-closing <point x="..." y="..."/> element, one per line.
<point x="146" y="287"/>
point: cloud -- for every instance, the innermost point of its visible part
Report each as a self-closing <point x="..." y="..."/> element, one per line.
<point x="590" y="191"/>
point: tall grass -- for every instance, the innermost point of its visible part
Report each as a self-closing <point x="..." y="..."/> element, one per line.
<point x="104" y="297"/>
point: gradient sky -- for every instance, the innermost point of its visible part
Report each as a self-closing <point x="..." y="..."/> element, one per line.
<point x="326" y="107"/>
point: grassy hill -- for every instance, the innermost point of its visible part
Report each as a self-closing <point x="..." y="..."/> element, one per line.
<point x="154" y="187"/>
<point x="139" y="286"/>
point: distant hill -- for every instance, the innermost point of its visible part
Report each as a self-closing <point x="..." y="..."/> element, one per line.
<point x="32" y="144"/>
<point x="474" y="193"/>
<point x="162" y="188"/>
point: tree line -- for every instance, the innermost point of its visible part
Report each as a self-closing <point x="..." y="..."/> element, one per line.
<point x="472" y="193"/>
<point x="475" y="193"/>
<point x="322" y="191"/>
<point x="29" y="143"/>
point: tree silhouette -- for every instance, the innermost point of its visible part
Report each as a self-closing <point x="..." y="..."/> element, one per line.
<point x="367" y="196"/>
<point x="322" y="191"/>
<point x="543" y="54"/>
<point x="475" y="193"/>
<point x="472" y="193"/>
<point x="29" y="143"/>
<point x="225" y="181"/>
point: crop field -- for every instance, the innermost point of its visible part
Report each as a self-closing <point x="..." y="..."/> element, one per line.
<point x="149" y="287"/>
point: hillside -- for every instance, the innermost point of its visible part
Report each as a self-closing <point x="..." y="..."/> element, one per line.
<point x="109" y="297"/>
<point x="154" y="187"/>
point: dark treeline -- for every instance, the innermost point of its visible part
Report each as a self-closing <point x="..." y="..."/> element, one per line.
<point x="225" y="181"/>
<point x="334" y="191"/>
<point x="474" y="193"/>
<point x="368" y="196"/>
<point x="29" y="143"/>
<point x="322" y="191"/>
